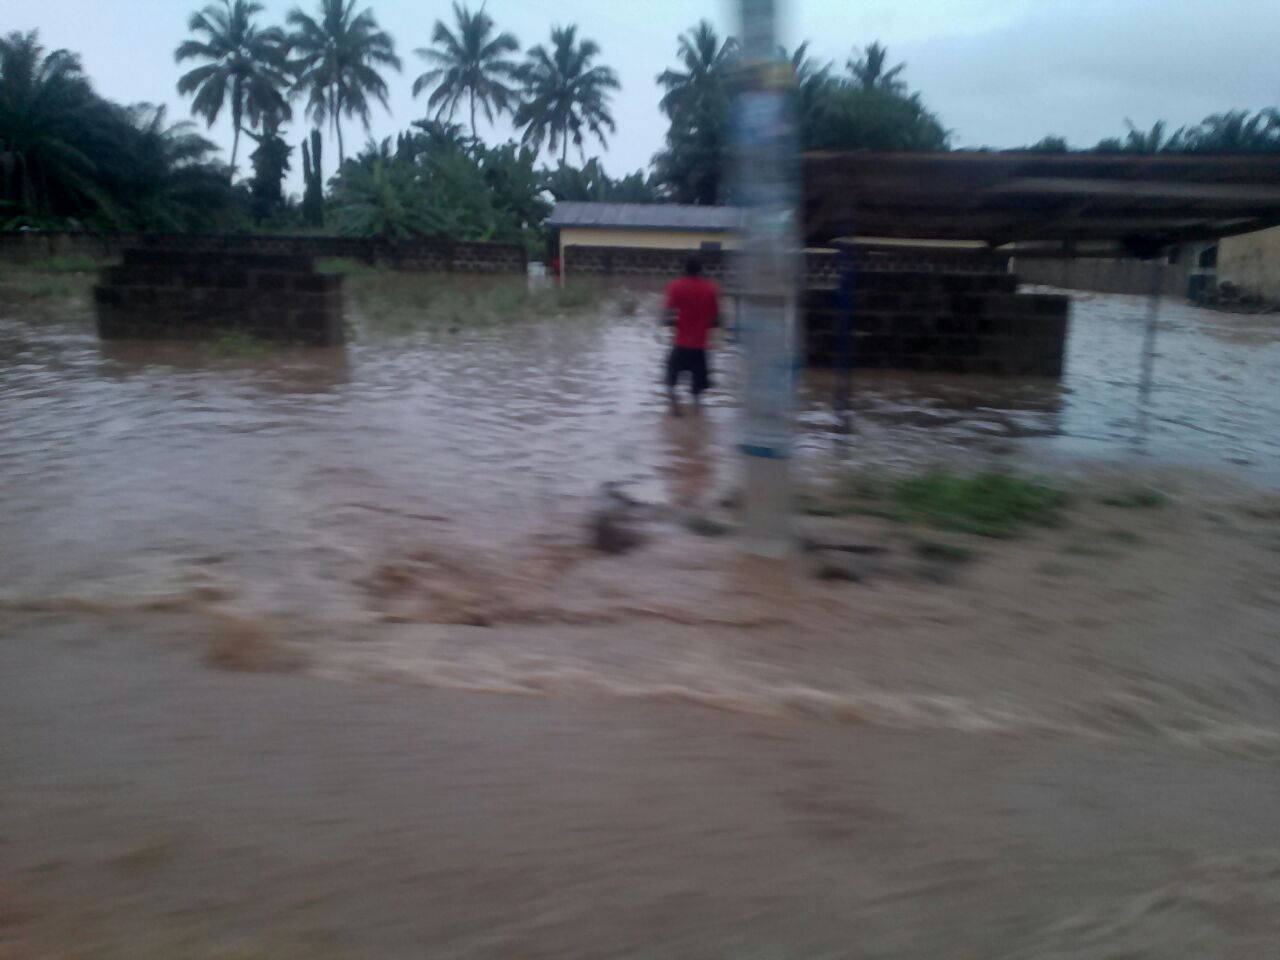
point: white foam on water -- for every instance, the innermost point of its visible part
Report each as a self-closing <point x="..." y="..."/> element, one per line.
<point x="1216" y="904"/>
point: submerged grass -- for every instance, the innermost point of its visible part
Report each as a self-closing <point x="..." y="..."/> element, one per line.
<point x="50" y="278"/>
<point x="987" y="504"/>
<point x="399" y="302"/>
<point x="237" y="343"/>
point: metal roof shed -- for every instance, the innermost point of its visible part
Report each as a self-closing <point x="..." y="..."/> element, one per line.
<point x="609" y="230"/>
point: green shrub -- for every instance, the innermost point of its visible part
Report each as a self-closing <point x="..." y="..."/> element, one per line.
<point x="989" y="504"/>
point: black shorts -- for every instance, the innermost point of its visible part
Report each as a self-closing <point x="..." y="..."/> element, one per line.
<point x="681" y="359"/>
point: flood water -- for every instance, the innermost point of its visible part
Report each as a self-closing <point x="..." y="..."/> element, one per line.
<point x="411" y="508"/>
<point x="126" y="449"/>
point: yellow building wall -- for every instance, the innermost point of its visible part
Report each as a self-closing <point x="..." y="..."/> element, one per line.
<point x="1252" y="262"/>
<point x="652" y="239"/>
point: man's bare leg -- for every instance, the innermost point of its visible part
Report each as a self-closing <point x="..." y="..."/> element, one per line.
<point x="674" y="401"/>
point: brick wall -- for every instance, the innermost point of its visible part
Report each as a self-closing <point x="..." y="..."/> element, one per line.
<point x="953" y="323"/>
<point x="172" y="295"/>
<point x="439" y="256"/>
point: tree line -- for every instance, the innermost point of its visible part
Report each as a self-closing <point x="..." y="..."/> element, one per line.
<point x="1235" y="131"/>
<point x="71" y="157"/>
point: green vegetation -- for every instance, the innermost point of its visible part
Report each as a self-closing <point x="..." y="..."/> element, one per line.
<point x="49" y="279"/>
<point x="312" y="167"/>
<point x="1236" y="131"/>
<point x="470" y="63"/>
<point x="337" y="57"/>
<point x="988" y="504"/>
<point x="71" y="160"/>
<point x="565" y="94"/>
<point x="590" y="183"/>
<point x="68" y="157"/>
<point x="394" y="303"/>
<point x="430" y="185"/>
<point x="64" y="263"/>
<point x="270" y="164"/>
<point x="697" y="101"/>
<point x="245" y="65"/>
<point x="1139" y="498"/>
<point x="868" y="107"/>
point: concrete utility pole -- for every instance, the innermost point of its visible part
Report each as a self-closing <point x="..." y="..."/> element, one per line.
<point x="766" y="187"/>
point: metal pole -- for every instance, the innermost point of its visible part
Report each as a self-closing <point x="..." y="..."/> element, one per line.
<point x="846" y="262"/>
<point x="764" y="140"/>
<point x="1149" y="349"/>
<point x="1153" y="322"/>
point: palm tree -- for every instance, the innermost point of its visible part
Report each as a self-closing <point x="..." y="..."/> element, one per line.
<point x="697" y="102"/>
<point x="338" y="56"/>
<point x="165" y="172"/>
<point x="591" y="183"/>
<point x="246" y="64"/>
<point x="440" y="136"/>
<point x="1153" y="140"/>
<point x="706" y="63"/>
<point x="1236" y="132"/>
<point x="565" y="94"/>
<point x="1049" y="143"/>
<point x="806" y="69"/>
<point x="813" y="87"/>
<point x="868" y="70"/>
<point x="470" y="63"/>
<point x="46" y="103"/>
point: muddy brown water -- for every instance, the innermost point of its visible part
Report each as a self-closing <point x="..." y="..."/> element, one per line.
<point x="131" y="448"/>
<point x="1069" y="751"/>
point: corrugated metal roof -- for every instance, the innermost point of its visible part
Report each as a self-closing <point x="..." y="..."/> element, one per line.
<point x="1136" y="201"/>
<point x="645" y="216"/>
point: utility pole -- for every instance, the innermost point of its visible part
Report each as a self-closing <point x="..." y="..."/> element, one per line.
<point x="767" y="187"/>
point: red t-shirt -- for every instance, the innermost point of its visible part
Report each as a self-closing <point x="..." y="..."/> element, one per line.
<point x="697" y="306"/>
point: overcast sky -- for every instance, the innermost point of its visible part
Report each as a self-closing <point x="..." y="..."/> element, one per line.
<point x="998" y="72"/>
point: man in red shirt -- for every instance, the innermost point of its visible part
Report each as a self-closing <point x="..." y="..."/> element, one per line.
<point x="693" y="308"/>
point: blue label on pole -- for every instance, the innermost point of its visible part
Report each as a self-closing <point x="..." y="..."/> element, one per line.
<point x="761" y="118"/>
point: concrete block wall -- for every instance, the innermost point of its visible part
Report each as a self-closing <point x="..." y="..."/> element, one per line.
<point x="1106" y="275"/>
<point x="433" y="256"/>
<point x="950" y="323"/>
<point x="169" y="295"/>
<point x="821" y="266"/>
<point x="637" y="262"/>
<point x="1252" y="262"/>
